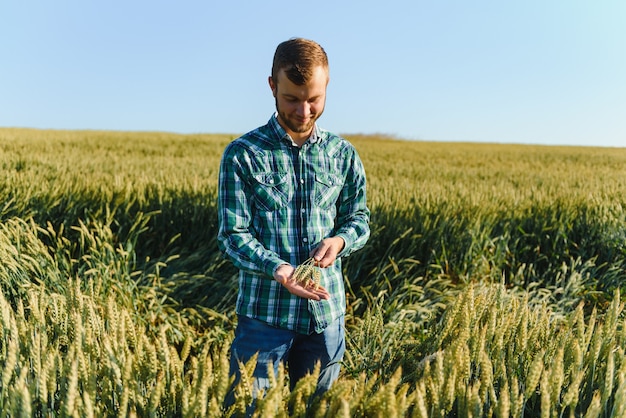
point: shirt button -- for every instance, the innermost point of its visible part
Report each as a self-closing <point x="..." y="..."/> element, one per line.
<point x="305" y="239"/>
<point x="303" y="210"/>
<point x="301" y="181"/>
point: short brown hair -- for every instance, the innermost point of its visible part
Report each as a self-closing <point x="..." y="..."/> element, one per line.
<point x="298" y="57"/>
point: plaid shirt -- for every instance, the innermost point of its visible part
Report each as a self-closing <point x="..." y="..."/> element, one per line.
<point x="276" y="202"/>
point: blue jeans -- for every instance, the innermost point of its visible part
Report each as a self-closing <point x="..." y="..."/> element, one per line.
<point x="298" y="351"/>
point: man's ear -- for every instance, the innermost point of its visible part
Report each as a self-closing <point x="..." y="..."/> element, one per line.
<point x="270" y="80"/>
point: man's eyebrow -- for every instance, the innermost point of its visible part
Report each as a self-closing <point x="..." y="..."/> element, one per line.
<point x="290" y="96"/>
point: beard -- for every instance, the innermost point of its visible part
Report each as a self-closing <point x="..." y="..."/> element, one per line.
<point x="293" y="125"/>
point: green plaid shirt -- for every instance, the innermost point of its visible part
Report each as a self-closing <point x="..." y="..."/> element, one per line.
<point x="276" y="203"/>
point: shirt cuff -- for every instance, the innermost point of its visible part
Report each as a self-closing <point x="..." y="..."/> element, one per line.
<point x="272" y="266"/>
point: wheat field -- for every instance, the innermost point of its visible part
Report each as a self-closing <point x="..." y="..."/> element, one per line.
<point x="491" y="285"/>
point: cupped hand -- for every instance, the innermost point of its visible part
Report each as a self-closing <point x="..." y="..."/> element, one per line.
<point x="284" y="276"/>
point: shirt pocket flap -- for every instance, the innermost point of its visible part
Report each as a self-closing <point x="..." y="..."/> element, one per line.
<point x="271" y="179"/>
<point x="326" y="179"/>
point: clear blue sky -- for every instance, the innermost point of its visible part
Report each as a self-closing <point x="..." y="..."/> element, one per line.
<point x="534" y="71"/>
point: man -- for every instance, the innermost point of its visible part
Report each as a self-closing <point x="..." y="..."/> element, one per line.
<point x="290" y="190"/>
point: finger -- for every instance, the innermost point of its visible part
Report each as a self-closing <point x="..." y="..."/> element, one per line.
<point x="319" y="291"/>
<point x="308" y="292"/>
<point x="320" y="251"/>
<point x="328" y="259"/>
<point x="316" y="295"/>
<point x="324" y="262"/>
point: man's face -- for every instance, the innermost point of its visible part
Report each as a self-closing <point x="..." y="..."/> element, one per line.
<point x="299" y="107"/>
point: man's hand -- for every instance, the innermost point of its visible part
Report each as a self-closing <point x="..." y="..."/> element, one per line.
<point x="326" y="252"/>
<point x="284" y="276"/>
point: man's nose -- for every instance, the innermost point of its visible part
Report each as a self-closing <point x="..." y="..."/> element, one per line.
<point x="303" y="108"/>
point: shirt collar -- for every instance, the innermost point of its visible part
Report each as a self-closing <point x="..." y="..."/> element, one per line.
<point x="284" y="136"/>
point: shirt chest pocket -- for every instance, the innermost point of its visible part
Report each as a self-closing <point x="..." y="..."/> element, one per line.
<point x="272" y="191"/>
<point x="327" y="189"/>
